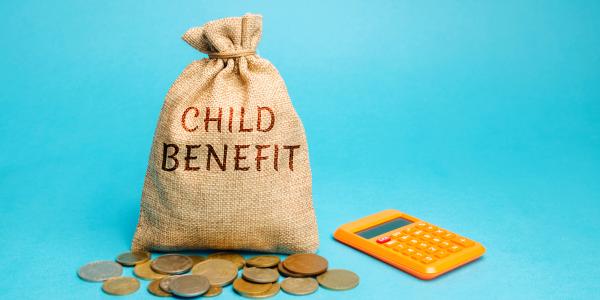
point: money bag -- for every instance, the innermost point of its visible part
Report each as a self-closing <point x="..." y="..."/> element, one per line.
<point x="229" y="166"/>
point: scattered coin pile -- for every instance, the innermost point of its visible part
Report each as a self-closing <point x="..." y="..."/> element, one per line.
<point x="190" y="276"/>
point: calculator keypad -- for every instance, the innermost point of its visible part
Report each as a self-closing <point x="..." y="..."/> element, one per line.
<point x="424" y="242"/>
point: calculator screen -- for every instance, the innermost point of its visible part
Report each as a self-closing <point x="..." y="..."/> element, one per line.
<point x="383" y="228"/>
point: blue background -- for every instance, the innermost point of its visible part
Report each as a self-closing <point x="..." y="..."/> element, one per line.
<point x="482" y="117"/>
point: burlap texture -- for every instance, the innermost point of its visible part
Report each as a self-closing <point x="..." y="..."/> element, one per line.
<point x="228" y="207"/>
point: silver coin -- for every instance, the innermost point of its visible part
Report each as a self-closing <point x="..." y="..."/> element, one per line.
<point x="172" y="264"/>
<point x="165" y="282"/>
<point x="100" y="270"/>
<point x="189" y="285"/>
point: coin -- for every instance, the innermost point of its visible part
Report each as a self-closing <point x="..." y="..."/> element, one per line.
<point x="299" y="286"/>
<point x="260" y="275"/>
<point x="154" y="289"/>
<point x="338" y="279"/>
<point x="263" y="261"/>
<point x="166" y="281"/>
<point x="144" y="271"/>
<point x="218" y="271"/>
<point x="100" y="270"/>
<point x="269" y="293"/>
<point x="120" y="285"/>
<point x="244" y="287"/>
<point x="307" y="264"/>
<point x="235" y="258"/>
<point x="214" y="290"/>
<point x="196" y="259"/>
<point x="133" y="258"/>
<point x="172" y="264"/>
<point x="285" y="272"/>
<point x="189" y="285"/>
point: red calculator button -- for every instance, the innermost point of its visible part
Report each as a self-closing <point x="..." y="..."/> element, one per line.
<point x="391" y="243"/>
<point x="463" y="241"/>
<point x="427" y="260"/>
<point x="441" y="253"/>
<point x="383" y="239"/>
<point x="454" y="248"/>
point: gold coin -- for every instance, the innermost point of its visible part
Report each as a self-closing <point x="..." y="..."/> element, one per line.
<point x="244" y="287"/>
<point x="235" y="258"/>
<point x="306" y="264"/>
<point x="218" y="271"/>
<point x="214" y="290"/>
<point x="263" y="261"/>
<point x="172" y="264"/>
<point x="338" y="279"/>
<point x="285" y="272"/>
<point x="269" y="293"/>
<point x="154" y="289"/>
<point x="133" y="258"/>
<point x="144" y="271"/>
<point x="260" y="275"/>
<point x="299" y="286"/>
<point x="120" y="285"/>
<point x="196" y="259"/>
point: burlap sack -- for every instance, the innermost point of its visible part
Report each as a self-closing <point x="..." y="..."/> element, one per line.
<point x="229" y="164"/>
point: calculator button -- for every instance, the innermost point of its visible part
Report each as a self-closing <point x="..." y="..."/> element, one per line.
<point x="397" y="234"/>
<point x="400" y="248"/>
<point x="421" y="225"/>
<point x="441" y="253"/>
<point x="404" y="238"/>
<point x="391" y="243"/>
<point x="449" y="235"/>
<point x="444" y="244"/>
<point x="435" y="240"/>
<point x="431" y="249"/>
<point x="463" y="241"/>
<point x="427" y="260"/>
<point x="383" y="239"/>
<point x="439" y="231"/>
<point x="418" y="233"/>
<point x="429" y="228"/>
<point x="410" y="230"/>
<point x="418" y="255"/>
<point x="409" y="251"/>
<point x="422" y="245"/>
<point x="454" y="248"/>
<point x="427" y="236"/>
<point x="413" y="242"/>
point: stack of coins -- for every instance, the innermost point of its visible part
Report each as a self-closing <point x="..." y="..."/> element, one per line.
<point x="189" y="276"/>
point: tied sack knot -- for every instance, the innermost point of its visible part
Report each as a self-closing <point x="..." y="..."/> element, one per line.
<point x="227" y="38"/>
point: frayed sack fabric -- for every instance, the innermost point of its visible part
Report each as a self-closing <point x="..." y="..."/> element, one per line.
<point x="229" y="166"/>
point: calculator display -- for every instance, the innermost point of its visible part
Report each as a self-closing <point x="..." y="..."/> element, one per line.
<point x="383" y="228"/>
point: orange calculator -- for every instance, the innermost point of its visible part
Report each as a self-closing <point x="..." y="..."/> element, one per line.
<point x="405" y="242"/>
